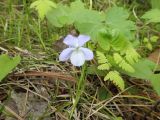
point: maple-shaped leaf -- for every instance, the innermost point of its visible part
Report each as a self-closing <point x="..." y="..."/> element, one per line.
<point x="43" y="7"/>
<point x="117" y="19"/>
<point x="85" y="20"/>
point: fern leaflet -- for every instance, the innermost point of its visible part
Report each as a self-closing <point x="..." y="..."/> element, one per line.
<point x="115" y="77"/>
<point x="102" y="60"/>
<point x="131" y="55"/>
<point x="104" y="66"/>
<point x="122" y="63"/>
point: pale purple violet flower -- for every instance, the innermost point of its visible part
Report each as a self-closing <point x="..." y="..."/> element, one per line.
<point x="76" y="53"/>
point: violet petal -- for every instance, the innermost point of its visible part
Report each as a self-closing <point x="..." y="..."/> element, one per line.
<point x="71" y="41"/>
<point x="82" y="39"/>
<point x="66" y="54"/>
<point x="77" y="58"/>
<point x="88" y="54"/>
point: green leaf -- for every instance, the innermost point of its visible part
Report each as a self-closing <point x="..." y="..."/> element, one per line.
<point x="77" y="4"/>
<point x="155" y="4"/>
<point x="81" y="14"/>
<point x="115" y="77"/>
<point x="85" y="15"/>
<point x="86" y="21"/>
<point x="116" y="12"/>
<point x="90" y="28"/>
<point x="7" y="64"/>
<point x="59" y="16"/>
<point x="149" y="46"/>
<point x="154" y="38"/>
<point x="152" y="16"/>
<point x="155" y="80"/>
<point x="145" y="40"/>
<point x="43" y="7"/>
<point x="120" y="43"/>
<point x="116" y="18"/>
<point x="144" y="70"/>
<point x="104" y="40"/>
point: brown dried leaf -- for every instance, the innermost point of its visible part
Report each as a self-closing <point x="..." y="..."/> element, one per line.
<point x="60" y="76"/>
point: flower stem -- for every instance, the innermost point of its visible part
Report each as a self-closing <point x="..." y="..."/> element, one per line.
<point x="80" y="88"/>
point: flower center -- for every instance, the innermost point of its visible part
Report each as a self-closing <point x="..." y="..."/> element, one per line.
<point x="76" y="45"/>
<point x="77" y="48"/>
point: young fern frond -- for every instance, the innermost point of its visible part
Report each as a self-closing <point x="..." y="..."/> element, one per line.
<point x="131" y="55"/>
<point x="104" y="66"/>
<point x="102" y="60"/>
<point x="122" y="63"/>
<point x="115" y="77"/>
<point x="101" y="57"/>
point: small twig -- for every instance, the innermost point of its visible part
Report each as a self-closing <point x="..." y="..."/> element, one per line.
<point x="3" y="49"/>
